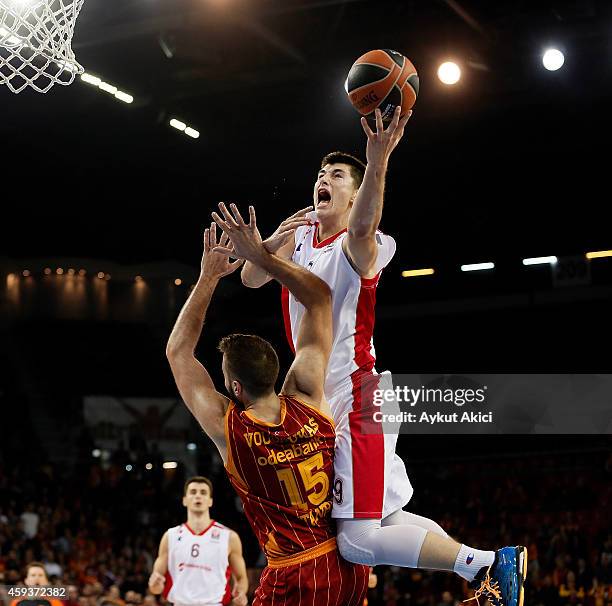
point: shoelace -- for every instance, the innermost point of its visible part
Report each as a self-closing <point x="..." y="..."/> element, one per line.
<point x="489" y="589"/>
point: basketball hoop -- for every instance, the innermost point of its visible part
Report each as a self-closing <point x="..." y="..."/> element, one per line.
<point x="35" y="43"/>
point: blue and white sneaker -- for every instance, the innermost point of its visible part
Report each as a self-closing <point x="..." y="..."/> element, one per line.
<point x="502" y="582"/>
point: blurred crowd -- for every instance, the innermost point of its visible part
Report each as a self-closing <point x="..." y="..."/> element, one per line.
<point x="96" y="527"/>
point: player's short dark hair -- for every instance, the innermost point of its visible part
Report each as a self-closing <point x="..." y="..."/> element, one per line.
<point x="198" y="480"/>
<point x="253" y="361"/>
<point x="357" y="166"/>
<point x="36" y="565"/>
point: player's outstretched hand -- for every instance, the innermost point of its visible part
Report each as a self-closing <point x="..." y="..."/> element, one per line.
<point x="215" y="265"/>
<point x="244" y="238"/>
<point x="286" y="229"/>
<point x="382" y="142"/>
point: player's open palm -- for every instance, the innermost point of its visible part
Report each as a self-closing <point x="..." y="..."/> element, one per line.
<point x="382" y="142"/>
<point x="244" y="237"/>
<point x="214" y="264"/>
<point x="286" y="229"/>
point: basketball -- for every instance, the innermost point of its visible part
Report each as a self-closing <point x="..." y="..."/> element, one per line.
<point x="383" y="79"/>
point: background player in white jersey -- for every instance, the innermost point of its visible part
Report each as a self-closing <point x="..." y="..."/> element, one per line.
<point x="341" y="243"/>
<point x="197" y="558"/>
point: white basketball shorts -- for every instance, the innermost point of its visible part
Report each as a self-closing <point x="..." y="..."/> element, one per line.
<point x="370" y="480"/>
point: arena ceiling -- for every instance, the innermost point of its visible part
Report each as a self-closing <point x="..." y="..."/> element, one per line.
<point x="504" y="164"/>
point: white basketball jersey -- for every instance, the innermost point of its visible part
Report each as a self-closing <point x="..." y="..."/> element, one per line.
<point x="353" y="301"/>
<point x="198" y="566"/>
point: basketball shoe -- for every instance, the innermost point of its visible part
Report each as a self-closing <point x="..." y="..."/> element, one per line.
<point x="502" y="582"/>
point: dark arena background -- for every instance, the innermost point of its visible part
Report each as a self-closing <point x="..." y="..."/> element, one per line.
<point x="103" y="208"/>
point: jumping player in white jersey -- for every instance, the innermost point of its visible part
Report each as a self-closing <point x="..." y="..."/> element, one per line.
<point x="197" y="559"/>
<point x="340" y="242"/>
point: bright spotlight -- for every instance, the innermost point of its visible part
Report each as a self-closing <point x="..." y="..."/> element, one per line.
<point x="149" y="466"/>
<point x="477" y="266"/>
<point x="94" y="80"/>
<point x="107" y="88"/>
<point x="412" y="273"/>
<point x="192" y="132"/>
<point x="191" y="446"/>
<point x="553" y="59"/>
<point x="124" y="97"/>
<point x="178" y="124"/>
<point x="540" y="260"/>
<point x="128" y="468"/>
<point x="96" y="452"/>
<point x="449" y="73"/>
<point x="170" y="465"/>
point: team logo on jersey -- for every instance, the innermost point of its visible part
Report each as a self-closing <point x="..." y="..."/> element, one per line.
<point x="215" y="534"/>
<point x="299" y="247"/>
<point x="181" y="566"/>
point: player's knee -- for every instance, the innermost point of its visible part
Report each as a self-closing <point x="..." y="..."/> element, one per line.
<point x="353" y="550"/>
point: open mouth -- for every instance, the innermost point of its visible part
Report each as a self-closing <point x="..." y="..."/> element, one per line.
<point x="323" y="197"/>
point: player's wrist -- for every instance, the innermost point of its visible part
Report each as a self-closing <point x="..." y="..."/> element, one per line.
<point x="261" y="257"/>
<point x="377" y="167"/>
<point x="207" y="278"/>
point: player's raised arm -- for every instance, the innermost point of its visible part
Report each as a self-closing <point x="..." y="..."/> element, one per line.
<point x="360" y="243"/>
<point x="281" y="243"/>
<point x="192" y="379"/>
<point x="239" y="572"/>
<point x="307" y="373"/>
<point x="157" y="580"/>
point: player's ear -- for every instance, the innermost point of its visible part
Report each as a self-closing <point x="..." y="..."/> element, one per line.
<point x="185" y="501"/>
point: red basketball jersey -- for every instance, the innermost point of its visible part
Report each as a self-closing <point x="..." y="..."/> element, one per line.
<point x="283" y="474"/>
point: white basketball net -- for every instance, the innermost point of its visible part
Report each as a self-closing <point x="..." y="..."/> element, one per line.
<point x="35" y="43"/>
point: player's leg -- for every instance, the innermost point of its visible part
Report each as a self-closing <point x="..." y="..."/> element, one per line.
<point x="410" y="546"/>
<point x="498" y="575"/>
<point x="404" y="518"/>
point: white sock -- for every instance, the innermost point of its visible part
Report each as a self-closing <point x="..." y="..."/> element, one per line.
<point x="469" y="561"/>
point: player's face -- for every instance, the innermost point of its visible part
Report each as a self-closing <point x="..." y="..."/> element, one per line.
<point x="334" y="191"/>
<point x="197" y="498"/>
<point x="36" y="576"/>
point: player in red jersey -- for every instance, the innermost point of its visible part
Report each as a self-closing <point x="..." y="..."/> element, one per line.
<point x="278" y="449"/>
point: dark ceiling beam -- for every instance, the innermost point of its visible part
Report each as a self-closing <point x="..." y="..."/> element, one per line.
<point x="239" y="81"/>
<point x="309" y="6"/>
<point x="273" y="39"/>
<point x="466" y="17"/>
<point x="133" y="29"/>
<point x="155" y="26"/>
